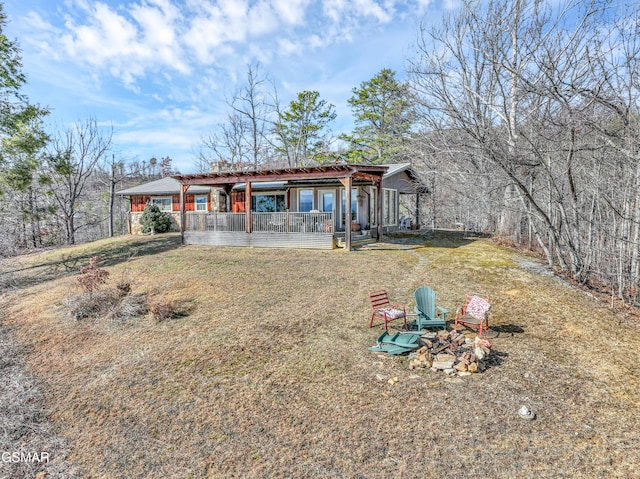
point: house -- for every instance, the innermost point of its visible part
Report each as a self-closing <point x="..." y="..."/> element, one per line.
<point x="165" y="193"/>
<point x="294" y="207"/>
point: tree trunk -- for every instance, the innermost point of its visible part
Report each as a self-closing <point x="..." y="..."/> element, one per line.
<point x="112" y="195"/>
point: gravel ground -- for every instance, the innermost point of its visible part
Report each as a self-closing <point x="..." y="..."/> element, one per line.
<point x="29" y="448"/>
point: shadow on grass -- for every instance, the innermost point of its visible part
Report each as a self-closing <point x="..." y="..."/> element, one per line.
<point x="507" y="329"/>
<point x="496" y="358"/>
<point x="72" y="259"/>
<point x="437" y="238"/>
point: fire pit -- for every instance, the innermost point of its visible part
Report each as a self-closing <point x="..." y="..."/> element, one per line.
<point x="451" y="352"/>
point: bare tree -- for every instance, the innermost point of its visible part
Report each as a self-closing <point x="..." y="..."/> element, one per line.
<point x="542" y="100"/>
<point x="250" y="104"/>
<point x="243" y="138"/>
<point x="227" y="143"/>
<point x="112" y="173"/>
<point x="482" y="81"/>
<point x="71" y="162"/>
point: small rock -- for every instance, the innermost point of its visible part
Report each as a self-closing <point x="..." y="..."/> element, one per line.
<point x="445" y="357"/>
<point x="449" y="371"/>
<point x="464" y="373"/>
<point x="526" y="413"/>
<point x="473" y="368"/>
<point x="381" y="377"/>
<point x="441" y="365"/>
<point x="392" y="381"/>
<point x="462" y="367"/>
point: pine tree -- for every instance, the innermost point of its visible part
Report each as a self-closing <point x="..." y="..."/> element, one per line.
<point x="303" y="131"/>
<point x="383" y="118"/>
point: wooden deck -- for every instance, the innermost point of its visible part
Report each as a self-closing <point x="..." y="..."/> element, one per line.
<point x="269" y="230"/>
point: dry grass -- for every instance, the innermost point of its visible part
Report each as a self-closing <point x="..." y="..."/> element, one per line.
<point x="268" y="375"/>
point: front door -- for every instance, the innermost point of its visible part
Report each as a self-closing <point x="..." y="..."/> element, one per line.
<point x="328" y="203"/>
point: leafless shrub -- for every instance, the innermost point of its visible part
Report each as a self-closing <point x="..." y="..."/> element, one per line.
<point x="124" y="285"/>
<point x="90" y="305"/>
<point x="123" y="289"/>
<point x="128" y="307"/>
<point x="163" y="310"/>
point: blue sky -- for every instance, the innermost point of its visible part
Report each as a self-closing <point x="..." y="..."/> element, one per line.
<point x="159" y="70"/>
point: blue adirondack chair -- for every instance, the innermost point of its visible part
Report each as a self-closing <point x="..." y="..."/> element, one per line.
<point x="428" y="314"/>
<point x="400" y="343"/>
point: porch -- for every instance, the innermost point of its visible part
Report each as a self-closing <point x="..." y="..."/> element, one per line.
<point x="275" y="229"/>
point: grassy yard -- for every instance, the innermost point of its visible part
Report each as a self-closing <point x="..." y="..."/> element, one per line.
<point x="268" y="373"/>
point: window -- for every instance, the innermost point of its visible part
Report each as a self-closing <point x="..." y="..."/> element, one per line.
<point x="389" y="207"/>
<point x="306" y="201"/>
<point x="268" y="203"/>
<point x="326" y="201"/>
<point x="373" y="207"/>
<point x="162" y="202"/>
<point x="201" y="203"/>
<point x="354" y="203"/>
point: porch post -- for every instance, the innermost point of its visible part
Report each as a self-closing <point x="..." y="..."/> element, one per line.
<point x="287" y="207"/>
<point x="418" y="211"/>
<point x="183" y="190"/>
<point x="347" y="183"/>
<point x="379" y="208"/>
<point x="247" y="207"/>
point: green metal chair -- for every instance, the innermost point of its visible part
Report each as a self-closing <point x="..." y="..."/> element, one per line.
<point x="428" y="314"/>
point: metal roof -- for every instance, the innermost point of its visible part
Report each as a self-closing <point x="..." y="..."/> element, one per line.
<point x="395" y="168"/>
<point x="164" y="186"/>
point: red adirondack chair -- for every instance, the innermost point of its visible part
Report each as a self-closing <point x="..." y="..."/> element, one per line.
<point x="383" y="309"/>
<point x="474" y="314"/>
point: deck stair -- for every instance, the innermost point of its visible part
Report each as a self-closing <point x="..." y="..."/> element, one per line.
<point x="358" y="238"/>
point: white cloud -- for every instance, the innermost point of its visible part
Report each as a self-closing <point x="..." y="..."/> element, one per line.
<point x="126" y="46"/>
<point x="341" y="11"/>
<point x="372" y="9"/>
<point x="291" y="11"/>
<point x="159" y="30"/>
<point x="261" y="19"/>
<point x="134" y="40"/>
<point x="288" y="47"/>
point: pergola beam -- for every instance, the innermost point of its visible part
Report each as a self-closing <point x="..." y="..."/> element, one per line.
<point x="358" y="172"/>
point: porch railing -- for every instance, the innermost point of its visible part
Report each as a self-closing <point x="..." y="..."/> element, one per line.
<point x="281" y="222"/>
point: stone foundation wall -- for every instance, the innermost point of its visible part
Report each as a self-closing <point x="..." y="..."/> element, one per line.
<point x="136" y="229"/>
